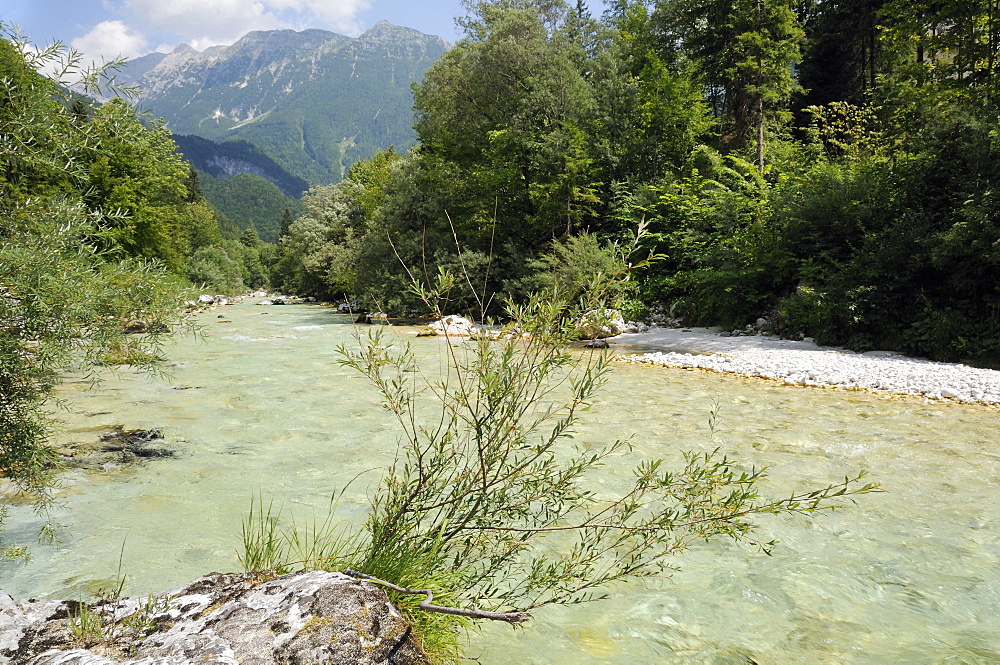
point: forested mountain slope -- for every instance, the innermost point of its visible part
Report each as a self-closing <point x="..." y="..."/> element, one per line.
<point x="236" y="157"/>
<point x="315" y="101"/>
<point x="244" y="185"/>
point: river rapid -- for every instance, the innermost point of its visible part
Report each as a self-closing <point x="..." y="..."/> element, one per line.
<point x="261" y="405"/>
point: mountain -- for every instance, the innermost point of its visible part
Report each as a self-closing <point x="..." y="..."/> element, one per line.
<point x="314" y="101"/>
<point x="236" y="157"/>
<point x="247" y="200"/>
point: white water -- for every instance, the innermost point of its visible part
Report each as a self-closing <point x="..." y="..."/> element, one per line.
<point x="261" y="405"/>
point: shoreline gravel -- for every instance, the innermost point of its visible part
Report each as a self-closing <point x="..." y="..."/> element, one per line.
<point x="804" y="363"/>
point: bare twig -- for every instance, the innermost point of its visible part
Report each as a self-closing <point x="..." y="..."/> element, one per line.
<point x="509" y="617"/>
<point x="465" y="271"/>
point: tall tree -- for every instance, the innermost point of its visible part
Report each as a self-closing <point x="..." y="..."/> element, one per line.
<point x="508" y="103"/>
<point x="745" y="51"/>
<point x="135" y="169"/>
<point x="651" y="108"/>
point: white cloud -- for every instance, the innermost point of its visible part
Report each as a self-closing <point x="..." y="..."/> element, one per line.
<point x="330" y="14"/>
<point x="203" y="23"/>
<point x="109" y="40"/>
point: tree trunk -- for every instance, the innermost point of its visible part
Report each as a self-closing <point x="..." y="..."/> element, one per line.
<point x="760" y="133"/>
<point x="760" y="100"/>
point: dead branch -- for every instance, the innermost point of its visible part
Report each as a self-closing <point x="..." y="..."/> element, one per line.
<point x="509" y="617"/>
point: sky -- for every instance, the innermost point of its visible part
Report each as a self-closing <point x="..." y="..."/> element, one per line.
<point x="106" y="29"/>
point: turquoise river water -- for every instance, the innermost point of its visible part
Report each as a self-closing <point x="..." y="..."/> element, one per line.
<point x="260" y="405"/>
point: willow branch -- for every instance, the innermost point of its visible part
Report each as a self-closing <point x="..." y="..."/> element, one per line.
<point x="509" y="617"/>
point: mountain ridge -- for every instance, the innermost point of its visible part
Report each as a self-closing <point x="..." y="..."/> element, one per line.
<point x="314" y="101"/>
<point x="234" y="157"/>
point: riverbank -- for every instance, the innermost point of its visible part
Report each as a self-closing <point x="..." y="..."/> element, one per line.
<point x="260" y="406"/>
<point x="806" y="364"/>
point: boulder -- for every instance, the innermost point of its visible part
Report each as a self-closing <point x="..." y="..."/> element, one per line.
<point x="598" y="324"/>
<point x="634" y="327"/>
<point x="453" y="326"/>
<point x="136" y="326"/>
<point x="206" y="299"/>
<point x="307" y="617"/>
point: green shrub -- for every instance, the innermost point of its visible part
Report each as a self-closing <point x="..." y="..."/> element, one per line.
<point x="488" y="479"/>
<point x="211" y="268"/>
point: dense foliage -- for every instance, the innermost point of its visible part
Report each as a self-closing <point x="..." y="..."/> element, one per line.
<point x="101" y="221"/>
<point x="831" y="166"/>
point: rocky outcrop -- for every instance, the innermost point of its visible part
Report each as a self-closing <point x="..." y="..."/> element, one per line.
<point x="307" y="617"/>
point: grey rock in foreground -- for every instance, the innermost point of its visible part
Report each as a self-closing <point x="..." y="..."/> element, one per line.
<point x="302" y="618"/>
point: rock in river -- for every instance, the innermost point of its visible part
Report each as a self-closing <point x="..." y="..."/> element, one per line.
<point x="116" y="449"/>
<point x="307" y="617"/>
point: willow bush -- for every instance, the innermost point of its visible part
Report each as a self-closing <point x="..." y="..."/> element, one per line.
<point x="488" y="482"/>
<point x="68" y="291"/>
<point x="63" y="308"/>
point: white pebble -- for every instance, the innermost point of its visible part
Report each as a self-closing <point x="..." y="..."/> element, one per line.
<point x="888" y="372"/>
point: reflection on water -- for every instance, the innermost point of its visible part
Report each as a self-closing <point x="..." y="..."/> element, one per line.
<point x="909" y="576"/>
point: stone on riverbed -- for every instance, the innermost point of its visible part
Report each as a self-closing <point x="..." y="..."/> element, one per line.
<point x="454" y="326"/>
<point x="307" y="617"/>
<point x="116" y="449"/>
<point x="598" y="324"/>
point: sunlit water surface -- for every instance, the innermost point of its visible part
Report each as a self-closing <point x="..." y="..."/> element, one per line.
<point x="261" y="405"/>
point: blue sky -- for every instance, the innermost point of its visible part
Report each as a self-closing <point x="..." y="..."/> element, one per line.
<point x="110" y="28"/>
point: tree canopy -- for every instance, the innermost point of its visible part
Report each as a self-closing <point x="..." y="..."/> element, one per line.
<point x="830" y="166"/>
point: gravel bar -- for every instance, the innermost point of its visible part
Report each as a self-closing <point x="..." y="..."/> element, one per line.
<point x="805" y="364"/>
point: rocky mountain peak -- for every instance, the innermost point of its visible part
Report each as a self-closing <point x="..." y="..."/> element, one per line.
<point x="313" y="100"/>
<point x="383" y="31"/>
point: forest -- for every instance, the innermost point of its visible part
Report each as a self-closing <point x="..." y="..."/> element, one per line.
<point x="828" y="165"/>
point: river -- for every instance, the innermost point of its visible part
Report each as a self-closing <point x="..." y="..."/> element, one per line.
<point x="260" y="405"/>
